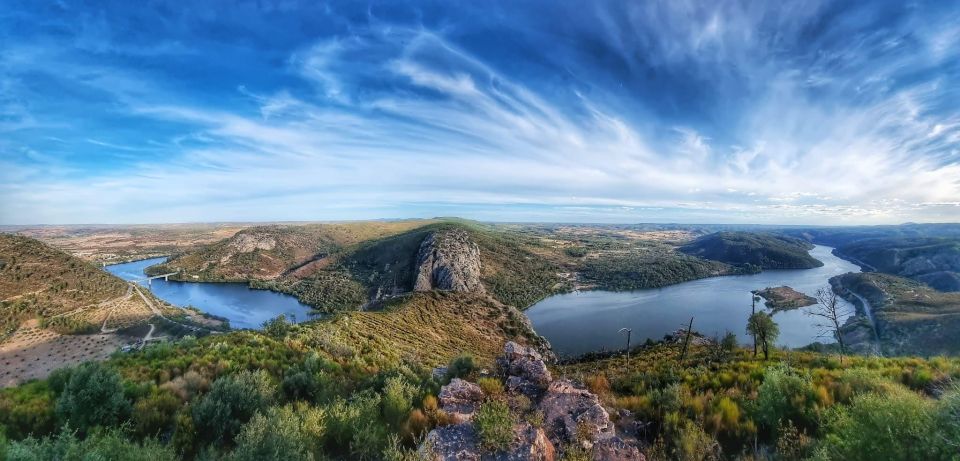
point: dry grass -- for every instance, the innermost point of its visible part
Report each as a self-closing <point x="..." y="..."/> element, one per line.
<point x="426" y="328"/>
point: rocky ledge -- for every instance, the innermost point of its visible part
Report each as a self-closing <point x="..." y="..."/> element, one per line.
<point x="550" y="417"/>
<point x="448" y="260"/>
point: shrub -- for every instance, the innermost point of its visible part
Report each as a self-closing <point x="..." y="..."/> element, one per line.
<point x="898" y="425"/>
<point x="491" y="386"/>
<point x="494" y="425"/>
<point x="460" y="367"/>
<point x="693" y="444"/>
<point x="354" y="426"/>
<point x="155" y="414"/>
<point x="299" y="386"/>
<point x="93" y="397"/>
<point x="785" y="396"/>
<point x="107" y="446"/>
<point x="281" y="433"/>
<point x="232" y="401"/>
<point x="27" y="410"/>
<point x="948" y="416"/>
<point x="397" y="400"/>
<point x="277" y="327"/>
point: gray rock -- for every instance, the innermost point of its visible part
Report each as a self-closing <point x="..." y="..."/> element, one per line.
<point x="461" y="442"/>
<point x="573" y="414"/>
<point x="526" y="364"/>
<point x="615" y="449"/>
<point x="460" y="399"/>
<point x="448" y="260"/>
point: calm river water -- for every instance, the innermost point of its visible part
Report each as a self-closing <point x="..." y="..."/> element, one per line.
<point x="244" y="307"/>
<point x="587" y="321"/>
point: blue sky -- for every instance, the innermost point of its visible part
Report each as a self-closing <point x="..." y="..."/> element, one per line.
<point x="676" y="111"/>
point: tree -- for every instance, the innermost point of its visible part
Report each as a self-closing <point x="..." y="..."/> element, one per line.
<point x="831" y="313"/>
<point x="277" y="327"/>
<point x="93" y="397"/>
<point x="232" y="401"/>
<point x="765" y="329"/>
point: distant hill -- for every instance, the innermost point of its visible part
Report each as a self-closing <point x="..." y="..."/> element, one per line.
<point x="934" y="261"/>
<point x="911" y="317"/>
<point x="338" y="267"/>
<point x="39" y="280"/>
<point x="766" y="251"/>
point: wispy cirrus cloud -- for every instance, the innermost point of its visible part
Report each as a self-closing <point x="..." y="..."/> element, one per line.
<point x="803" y="112"/>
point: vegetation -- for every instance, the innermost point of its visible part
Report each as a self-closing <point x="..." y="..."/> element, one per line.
<point x="494" y="425"/>
<point x="796" y="405"/>
<point x="911" y="318"/>
<point x="646" y="270"/>
<point x="784" y="298"/>
<point x="767" y="251"/>
<point x="761" y="326"/>
<point x="934" y="261"/>
<point x="39" y="280"/>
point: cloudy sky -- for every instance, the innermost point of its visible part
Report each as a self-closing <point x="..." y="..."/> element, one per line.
<point x="610" y="111"/>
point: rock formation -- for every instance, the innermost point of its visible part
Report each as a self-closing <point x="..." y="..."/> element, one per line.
<point x="448" y="260"/>
<point x="572" y="417"/>
<point x="248" y="242"/>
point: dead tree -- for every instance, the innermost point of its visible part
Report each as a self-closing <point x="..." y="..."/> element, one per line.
<point x="686" y="341"/>
<point x="832" y="314"/>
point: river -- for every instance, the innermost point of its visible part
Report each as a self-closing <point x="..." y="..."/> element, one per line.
<point x="588" y="321"/>
<point x="243" y="306"/>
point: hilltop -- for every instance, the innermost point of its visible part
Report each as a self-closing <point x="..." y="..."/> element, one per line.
<point x="766" y="251"/>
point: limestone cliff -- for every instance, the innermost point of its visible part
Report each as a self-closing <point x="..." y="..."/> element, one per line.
<point x="448" y="260"/>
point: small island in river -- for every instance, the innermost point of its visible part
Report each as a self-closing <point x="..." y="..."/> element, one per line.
<point x="785" y="298"/>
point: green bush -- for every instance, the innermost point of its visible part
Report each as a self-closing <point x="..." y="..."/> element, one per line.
<point x="232" y="401"/>
<point x="110" y="445"/>
<point x="27" y="410"/>
<point x="397" y="400"/>
<point x="282" y="433"/>
<point x="948" y="417"/>
<point x="93" y="397"/>
<point x="460" y="367"/>
<point x="155" y="414"/>
<point x="784" y="396"/>
<point x="899" y="425"/>
<point x="494" y="425"/>
<point x="491" y="387"/>
<point x="354" y="427"/>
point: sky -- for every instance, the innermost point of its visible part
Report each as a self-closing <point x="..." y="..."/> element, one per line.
<point x="787" y="112"/>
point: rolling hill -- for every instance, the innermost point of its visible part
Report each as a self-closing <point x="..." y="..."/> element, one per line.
<point x="934" y="261"/>
<point x="39" y="280"/>
<point x="911" y="317"/>
<point x="767" y="251"/>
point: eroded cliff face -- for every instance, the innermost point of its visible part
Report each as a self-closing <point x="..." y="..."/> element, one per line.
<point x="448" y="260"/>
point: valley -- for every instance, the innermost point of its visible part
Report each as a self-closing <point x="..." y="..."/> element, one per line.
<point x="405" y="307"/>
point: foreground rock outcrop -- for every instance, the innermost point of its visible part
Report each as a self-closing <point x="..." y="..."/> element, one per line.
<point x="550" y="417"/>
<point x="448" y="260"/>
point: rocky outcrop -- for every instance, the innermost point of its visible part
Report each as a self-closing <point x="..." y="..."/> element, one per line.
<point x="448" y="260"/>
<point x="248" y="242"/>
<point x="460" y="400"/>
<point x="572" y="417"/>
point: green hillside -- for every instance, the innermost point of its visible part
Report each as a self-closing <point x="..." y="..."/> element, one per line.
<point x="934" y="261"/>
<point x="911" y="317"/>
<point x="39" y="280"/>
<point x="766" y="251"/>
